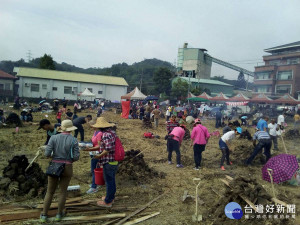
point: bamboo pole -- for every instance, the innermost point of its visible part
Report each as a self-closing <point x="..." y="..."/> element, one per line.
<point x="141" y="219"/>
<point x="283" y="144"/>
<point x="270" y="171"/>
<point x="139" y="210"/>
<point x="97" y="217"/>
<point x="36" y="155"/>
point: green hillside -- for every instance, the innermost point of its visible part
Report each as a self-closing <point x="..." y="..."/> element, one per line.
<point x="133" y="74"/>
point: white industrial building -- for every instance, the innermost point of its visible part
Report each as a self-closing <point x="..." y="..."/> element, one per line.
<point x="51" y="84"/>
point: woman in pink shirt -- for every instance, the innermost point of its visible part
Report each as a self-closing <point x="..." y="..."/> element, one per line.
<point x="199" y="137"/>
<point x="174" y="142"/>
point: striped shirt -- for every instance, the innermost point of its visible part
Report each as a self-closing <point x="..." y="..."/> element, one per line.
<point x="259" y="135"/>
<point x="171" y="125"/>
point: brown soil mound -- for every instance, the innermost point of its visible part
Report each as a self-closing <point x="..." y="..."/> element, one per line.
<point x="135" y="168"/>
<point x="248" y="188"/>
<point x="246" y="135"/>
<point x="17" y="182"/>
<point x="292" y="134"/>
<point x="146" y="123"/>
<point x="13" y="120"/>
<point x="243" y="152"/>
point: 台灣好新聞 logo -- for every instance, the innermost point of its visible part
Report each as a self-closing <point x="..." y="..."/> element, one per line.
<point x="233" y="211"/>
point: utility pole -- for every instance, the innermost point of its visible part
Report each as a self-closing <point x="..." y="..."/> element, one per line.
<point x="29" y="55"/>
<point x="247" y="83"/>
<point x="198" y="72"/>
<point x="189" y="86"/>
<point x="141" y="82"/>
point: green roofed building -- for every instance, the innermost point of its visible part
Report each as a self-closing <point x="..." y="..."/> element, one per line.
<point x="214" y="86"/>
<point x="51" y="84"/>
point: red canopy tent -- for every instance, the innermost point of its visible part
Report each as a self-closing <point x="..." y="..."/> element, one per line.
<point x="190" y="95"/>
<point x="261" y="98"/>
<point x="238" y="98"/>
<point x="287" y="99"/>
<point x="205" y="96"/>
<point x="219" y="98"/>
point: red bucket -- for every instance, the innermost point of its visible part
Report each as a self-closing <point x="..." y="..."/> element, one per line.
<point x="99" y="179"/>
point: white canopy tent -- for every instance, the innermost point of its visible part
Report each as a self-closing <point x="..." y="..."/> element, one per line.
<point x="87" y="93"/>
<point x="136" y="94"/>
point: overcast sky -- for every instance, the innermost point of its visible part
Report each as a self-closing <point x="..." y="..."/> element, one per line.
<point x="99" y="33"/>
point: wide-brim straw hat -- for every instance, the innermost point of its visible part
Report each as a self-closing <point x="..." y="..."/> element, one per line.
<point x="66" y="125"/>
<point x="102" y="123"/>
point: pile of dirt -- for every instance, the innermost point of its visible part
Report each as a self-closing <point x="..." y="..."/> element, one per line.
<point x="17" y="182"/>
<point x="146" y="123"/>
<point x="243" y="152"/>
<point x="13" y="120"/>
<point x="135" y="168"/>
<point x="236" y="123"/>
<point x="246" y="135"/>
<point x="241" y="186"/>
<point x="292" y="134"/>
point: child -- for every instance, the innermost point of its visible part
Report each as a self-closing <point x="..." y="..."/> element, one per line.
<point x="224" y="145"/>
<point x="58" y="116"/>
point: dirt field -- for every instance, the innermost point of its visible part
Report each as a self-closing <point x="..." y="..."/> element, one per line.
<point x="172" y="209"/>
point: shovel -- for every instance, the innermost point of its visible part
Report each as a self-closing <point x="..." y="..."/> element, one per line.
<point x="196" y="217"/>
<point x="36" y="155"/>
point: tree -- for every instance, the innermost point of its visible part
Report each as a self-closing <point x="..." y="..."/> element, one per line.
<point x="196" y="91"/>
<point x="46" y="62"/>
<point x="180" y="88"/>
<point x="162" y="79"/>
<point x="241" y="82"/>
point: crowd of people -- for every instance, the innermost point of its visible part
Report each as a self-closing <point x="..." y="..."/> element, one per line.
<point x="199" y="139"/>
<point x="265" y="135"/>
<point x="63" y="148"/>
